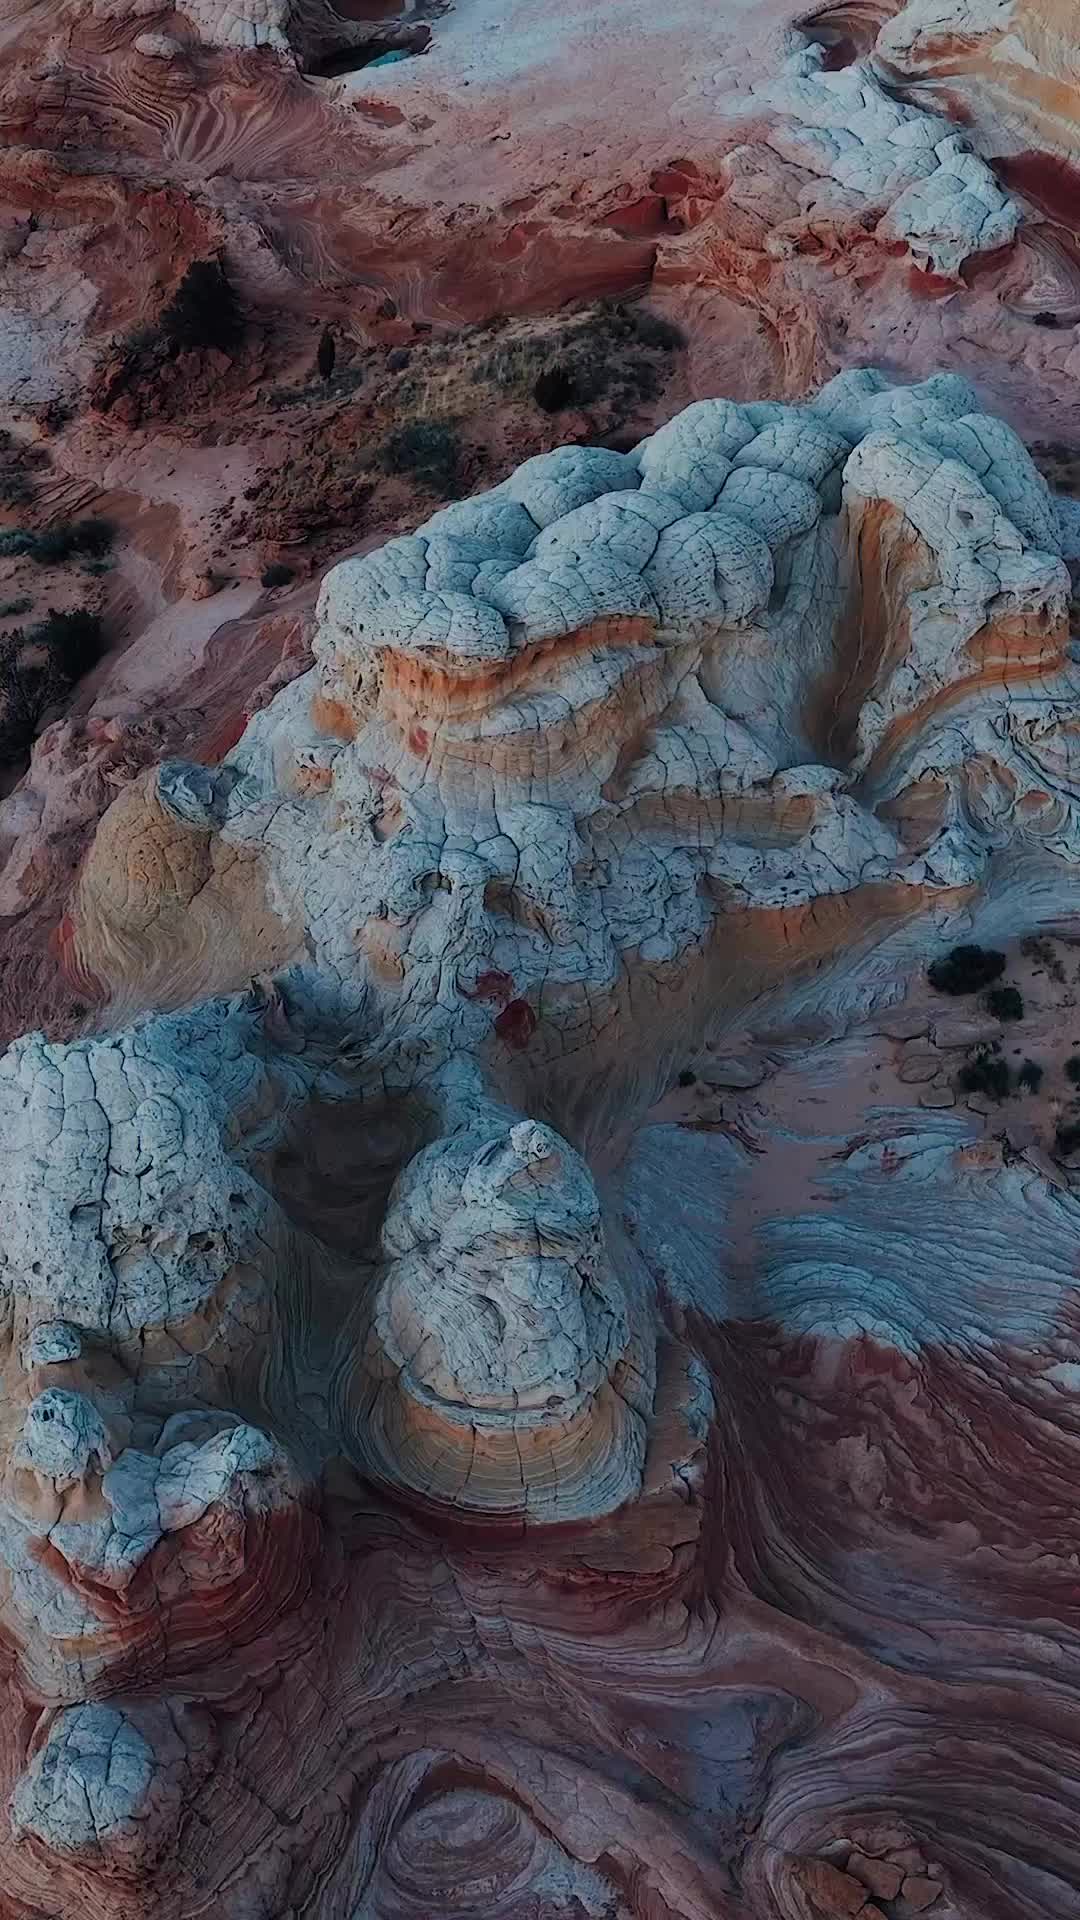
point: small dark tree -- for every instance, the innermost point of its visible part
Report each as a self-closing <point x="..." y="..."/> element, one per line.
<point x="1029" y="1075"/>
<point x="74" y="640"/>
<point x="326" y="355"/>
<point x="16" y="483"/>
<point x="277" y="574"/>
<point x="203" y="311"/>
<point x="38" y="668"/>
<point x="966" y="970"/>
<point x="985" y="1073"/>
<point x="1005" y="1003"/>
<point x="556" y="388"/>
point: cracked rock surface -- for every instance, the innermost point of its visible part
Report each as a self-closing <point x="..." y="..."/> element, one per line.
<point x="540" y="965"/>
<point x="539" y="1347"/>
<point x="909" y="174"/>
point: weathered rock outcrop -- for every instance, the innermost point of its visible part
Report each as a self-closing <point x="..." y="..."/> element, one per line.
<point x="551" y="740"/>
<point x="564" y="1237"/>
<point x="865" y="156"/>
<point x="538" y="1348"/>
<point x="1009" y="67"/>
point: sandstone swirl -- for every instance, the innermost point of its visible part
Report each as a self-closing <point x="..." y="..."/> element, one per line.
<point x="498" y="1335"/>
<point x="1009" y="66"/>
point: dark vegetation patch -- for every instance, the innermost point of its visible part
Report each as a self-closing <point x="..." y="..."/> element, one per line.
<point x="655" y="330"/>
<point x="79" y="539"/>
<point x="373" y="432"/>
<point x="614" y="354"/>
<point x="18" y="466"/>
<point x="429" y="451"/>
<point x="181" y="365"/>
<point x="985" y="1072"/>
<point x="276" y="575"/>
<point x="422" y="411"/>
<point x="556" y="388"/>
<point x="966" y="970"/>
<point x="1005" y="1003"/>
<point x="1029" y="1076"/>
<point x="204" y="311"/>
<point x="326" y="355"/>
<point x="38" y="667"/>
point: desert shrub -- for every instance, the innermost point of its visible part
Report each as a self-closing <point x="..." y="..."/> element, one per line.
<point x="326" y="354"/>
<point x="966" y="970"/>
<point x="276" y="575"/>
<point x="203" y="312"/>
<point x="1072" y="1069"/>
<point x="428" y="450"/>
<point x="1005" y="1003"/>
<point x="17" y="464"/>
<point x="654" y="331"/>
<point x="558" y="387"/>
<point x="985" y="1073"/>
<point x="74" y="640"/>
<point x="1029" y="1076"/>
<point x="9" y="609"/>
<point x="575" y="372"/>
<point x="37" y="668"/>
<point x="607" y="353"/>
<point x="89" y="538"/>
<point x="1067" y="1136"/>
<point x="16" y="486"/>
<point x="54" y="545"/>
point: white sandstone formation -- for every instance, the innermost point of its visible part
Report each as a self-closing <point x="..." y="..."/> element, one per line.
<point x="237" y="25"/>
<point x="905" y="173"/>
<point x="124" y="1208"/>
<point x="300" y="31"/>
<point x="108" y="1784"/>
<point x="255" y="23"/>
<point x="1007" y="67"/>
<point x="556" y="747"/>
<point x="148" y="1280"/>
<point x="500" y="1332"/>
<point x="528" y="763"/>
<point x="587" y="768"/>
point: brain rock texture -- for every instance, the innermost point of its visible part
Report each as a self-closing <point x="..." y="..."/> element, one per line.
<point x="464" y="1450"/>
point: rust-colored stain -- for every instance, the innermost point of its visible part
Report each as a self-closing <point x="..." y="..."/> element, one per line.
<point x="516" y="1024"/>
<point x="493" y="985"/>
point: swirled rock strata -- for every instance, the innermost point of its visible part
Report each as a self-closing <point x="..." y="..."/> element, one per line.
<point x="510" y="1331"/>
